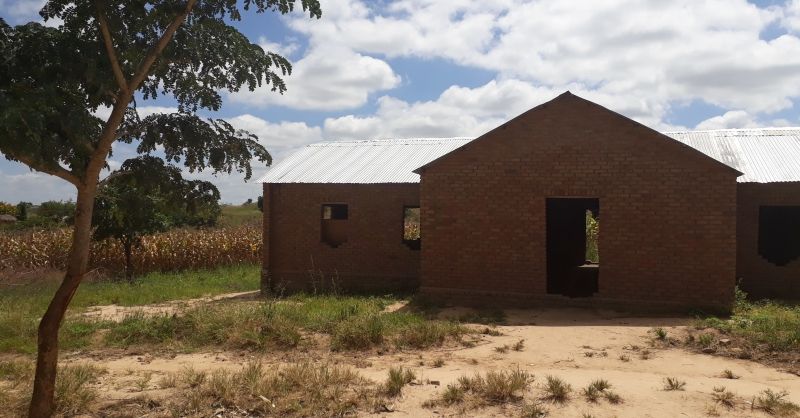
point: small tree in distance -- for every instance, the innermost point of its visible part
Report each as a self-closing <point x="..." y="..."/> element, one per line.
<point x="147" y="196"/>
<point x="103" y="55"/>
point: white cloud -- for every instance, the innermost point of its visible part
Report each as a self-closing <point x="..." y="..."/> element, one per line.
<point x="285" y="50"/>
<point x="458" y="111"/>
<point x="277" y="137"/>
<point x="730" y="120"/>
<point x="22" y="9"/>
<point x="641" y="55"/>
<point x="791" y="19"/>
<point x="32" y="186"/>
<point x="330" y="78"/>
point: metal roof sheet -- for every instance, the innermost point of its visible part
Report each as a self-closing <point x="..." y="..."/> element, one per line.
<point x="368" y="161"/>
<point x="766" y="155"/>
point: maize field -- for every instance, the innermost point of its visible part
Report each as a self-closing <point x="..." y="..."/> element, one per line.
<point x="178" y="249"/>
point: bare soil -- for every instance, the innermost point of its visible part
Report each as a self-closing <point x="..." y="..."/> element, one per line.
<point x="575" y="345"/>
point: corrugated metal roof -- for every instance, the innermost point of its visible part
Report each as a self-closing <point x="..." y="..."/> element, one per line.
<point x="369" y="161"/>
<point x="764" y="155"/>
<point x="767" y="155"/>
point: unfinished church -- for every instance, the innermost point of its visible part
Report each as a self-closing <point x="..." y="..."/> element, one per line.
<point x="512" y="217"/>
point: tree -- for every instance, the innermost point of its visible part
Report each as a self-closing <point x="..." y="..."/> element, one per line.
<point x="104" y="55"/>
<point x="146" y="196"/>
<point x="7" y="209"/>
<point x="260" y="203"/>
<point x="22" y="210"/>
<point x="57" y="211"/>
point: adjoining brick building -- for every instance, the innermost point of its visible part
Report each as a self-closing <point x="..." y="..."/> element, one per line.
<point x="503" y="217"/>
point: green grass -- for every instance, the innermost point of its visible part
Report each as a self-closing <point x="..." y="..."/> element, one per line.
<point x="235" y="215"/>
<point x="21" y="306"/>
<point x="765" y="322"/>
<point x="353" y="323"/>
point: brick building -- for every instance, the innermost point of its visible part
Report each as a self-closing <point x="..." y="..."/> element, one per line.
<point x="504" y="217"/>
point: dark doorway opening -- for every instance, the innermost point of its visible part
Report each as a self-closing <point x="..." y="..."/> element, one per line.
<point x="779" y="234"/>
<point x="571" y="224"/>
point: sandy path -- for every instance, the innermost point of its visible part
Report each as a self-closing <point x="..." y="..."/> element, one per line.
<point x="555" y="344"/>
<point x="118" y="313"/>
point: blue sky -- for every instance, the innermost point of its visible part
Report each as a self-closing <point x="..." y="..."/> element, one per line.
<point x="427" y="68"/>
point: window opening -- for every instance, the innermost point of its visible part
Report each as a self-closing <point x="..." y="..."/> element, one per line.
<point x="779" y="234"/>
<point x="334" y="224"/>
<point x="411" y="227"/>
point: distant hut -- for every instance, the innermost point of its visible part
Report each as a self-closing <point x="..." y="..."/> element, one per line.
<point x="7" y="219"/>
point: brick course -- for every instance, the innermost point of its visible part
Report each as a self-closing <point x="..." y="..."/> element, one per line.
<point x="667" y="212"/>
<point x="758" y="276"/>
<point x="374" y="257"/>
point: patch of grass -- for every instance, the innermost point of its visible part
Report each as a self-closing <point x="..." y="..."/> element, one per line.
<point x="533" y="410"/>
<point x="673" y="383"/>
<point x="235" y="215"/>
<point x="354" y="323"/>
<point x="556" y="390"/>
<point x="645" y="354"/>
<point x="600" y="388"/>
<point x="170" y="380"/>
<point x="728" y="374"/>
<point x="774" y="324"/>
<point x="624" y="357"/>
<point x="493" y="388"/>
<point x="439" y="362"/>
<point x="75" y="391"/>
<point x="494" y="332"/>
<point x="775" y="403"/>
<point x="519" y="345"/>
<point x="724" y="397"/>
<point x="705" y="340"/>
<point x="489" y="316"/>
<point x="398" y="378"/>
<point x="297" y="390"/>
<point x="22" y="306"/>
<point x="502" y="349"/>
<point x="612" y="397"/>
<point x="659" y="333"/>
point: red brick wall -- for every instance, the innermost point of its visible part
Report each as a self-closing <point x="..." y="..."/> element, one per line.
<point x="374" y="257"/>
<point x="758" y="276"/>
<point x="667" y="213"/>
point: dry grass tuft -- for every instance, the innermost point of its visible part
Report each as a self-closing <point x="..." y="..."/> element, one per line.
<point x="492" y="389"/>
<point x="673" y="383"/>
<point x="398" y="378"/>
<point x="556" y="390"/>
<point x="724" y="397"/>
<point x="775" y="403"/>
<point x="301" y="390"/>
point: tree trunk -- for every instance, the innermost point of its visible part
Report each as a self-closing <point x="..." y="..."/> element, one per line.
<point x="43" y="401"/>
<point x="127" y="244"/>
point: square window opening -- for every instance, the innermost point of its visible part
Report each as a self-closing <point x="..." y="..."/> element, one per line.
<point x="334" y="226"/>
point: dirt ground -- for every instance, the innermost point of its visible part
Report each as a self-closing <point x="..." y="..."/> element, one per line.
<point x="575" y="345"/>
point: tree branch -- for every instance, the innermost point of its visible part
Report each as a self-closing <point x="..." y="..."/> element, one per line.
<point x="109" y="133"/>
<point x="58" y="172"/>
<point x="112" y="54"/>
<point x="156" y="50"/>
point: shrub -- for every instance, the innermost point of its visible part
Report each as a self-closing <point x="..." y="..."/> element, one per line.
<point x="398" y="378"/>
<point x="775" y="403"/>
<point x="673" y="383"/>
<point x="556" y="390"/>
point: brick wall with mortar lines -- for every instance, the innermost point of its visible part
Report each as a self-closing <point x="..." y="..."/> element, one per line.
<point x="758" y="276"/>
<point x="667" y="214"/>
<point x="374" y="257"/>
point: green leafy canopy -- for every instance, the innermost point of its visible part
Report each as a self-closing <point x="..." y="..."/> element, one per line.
<point x="53" y="80"/>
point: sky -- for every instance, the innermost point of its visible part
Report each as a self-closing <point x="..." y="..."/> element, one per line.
<point x="431" y="68"/>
